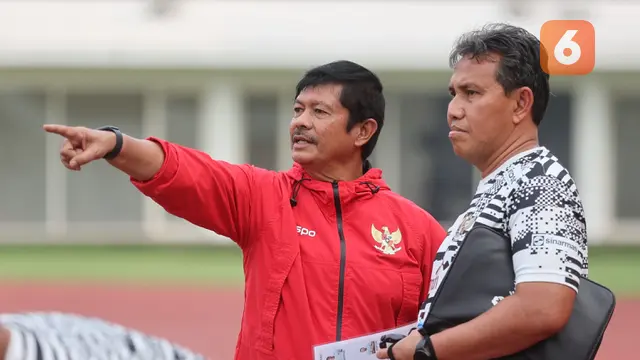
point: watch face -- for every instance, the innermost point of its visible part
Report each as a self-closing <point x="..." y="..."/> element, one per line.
<point x="111" y="128"/>
<point x="422" y="351"/>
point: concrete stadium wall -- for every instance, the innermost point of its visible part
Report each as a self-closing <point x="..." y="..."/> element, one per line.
<point x="595" y="148"/>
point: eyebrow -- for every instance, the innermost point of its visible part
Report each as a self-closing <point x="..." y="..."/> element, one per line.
<point x="463" y="86"/>
<point x="315" y="102"/>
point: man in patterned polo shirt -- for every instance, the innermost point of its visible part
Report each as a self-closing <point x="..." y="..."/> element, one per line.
<point x="499" y="97"/>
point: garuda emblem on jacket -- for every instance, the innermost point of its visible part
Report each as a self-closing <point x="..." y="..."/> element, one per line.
<point x="387" y="240"/>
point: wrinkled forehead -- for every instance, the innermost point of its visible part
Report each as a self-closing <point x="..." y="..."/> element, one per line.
<point x="480" y="71"/>
<point x="327" y="94"/>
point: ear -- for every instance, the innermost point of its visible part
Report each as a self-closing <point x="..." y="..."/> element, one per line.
<point x="523" y="98"/>
<point x="365" y="131"/>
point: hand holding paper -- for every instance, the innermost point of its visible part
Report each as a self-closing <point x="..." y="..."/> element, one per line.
<point x="360" y="348"/>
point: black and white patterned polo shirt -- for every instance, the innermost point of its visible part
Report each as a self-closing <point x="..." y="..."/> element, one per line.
<point x="533" y="200"/>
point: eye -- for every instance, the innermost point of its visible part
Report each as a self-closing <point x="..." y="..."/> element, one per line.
<point x="470" y="92"/>
<point x="320" y="112"/>
<point x="298" y="110"/>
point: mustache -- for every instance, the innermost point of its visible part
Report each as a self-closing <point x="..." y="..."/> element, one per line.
<point x="301" y="132"/>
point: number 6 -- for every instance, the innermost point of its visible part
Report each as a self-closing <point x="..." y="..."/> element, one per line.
<point x="566" y="42"/>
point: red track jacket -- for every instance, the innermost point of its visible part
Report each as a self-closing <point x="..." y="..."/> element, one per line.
<point x="322" y="261"/>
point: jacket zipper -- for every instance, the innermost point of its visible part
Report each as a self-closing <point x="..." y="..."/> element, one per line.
<point x="343" y="260"/>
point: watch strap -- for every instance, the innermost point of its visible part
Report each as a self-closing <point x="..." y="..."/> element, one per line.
<point x="119" y="141"/>
<point x="390" y="352"/>
<point x="422" y="331"/>
<point x="425" y="350"/>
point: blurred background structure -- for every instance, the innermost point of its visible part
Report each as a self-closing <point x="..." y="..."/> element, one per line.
<point x="220" y="75"/>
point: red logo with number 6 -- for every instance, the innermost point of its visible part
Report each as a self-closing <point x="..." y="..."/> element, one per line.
<point x="568" y="47"/>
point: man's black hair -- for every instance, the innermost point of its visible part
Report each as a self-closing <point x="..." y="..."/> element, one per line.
<point x="361" y="94"/>
<point x="519" y="66"/>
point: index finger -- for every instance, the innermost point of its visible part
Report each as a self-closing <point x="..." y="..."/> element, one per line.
<point x="62" y="130"/>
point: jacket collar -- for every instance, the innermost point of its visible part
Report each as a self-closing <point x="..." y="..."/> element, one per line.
<point x="369" y="184"/>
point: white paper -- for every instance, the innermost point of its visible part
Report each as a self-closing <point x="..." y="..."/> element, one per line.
<point x="360" y="348"/>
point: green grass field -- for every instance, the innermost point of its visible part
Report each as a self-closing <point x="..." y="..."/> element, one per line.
<point x="193" y="265"/>
<point x="219" y="266"/>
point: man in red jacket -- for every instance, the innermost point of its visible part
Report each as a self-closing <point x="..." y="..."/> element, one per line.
<point x="330" y="252"/>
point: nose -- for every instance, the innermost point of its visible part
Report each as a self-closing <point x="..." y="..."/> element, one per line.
<point x="455" y="111"/>
<point x="301" y="120"/>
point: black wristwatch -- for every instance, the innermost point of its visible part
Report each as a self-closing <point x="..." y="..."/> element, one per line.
<point x="424" y="349"/>
<point x="119" y="140"/>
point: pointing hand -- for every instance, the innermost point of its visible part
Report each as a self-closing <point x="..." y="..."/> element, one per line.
<point x="82" y="145"/>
